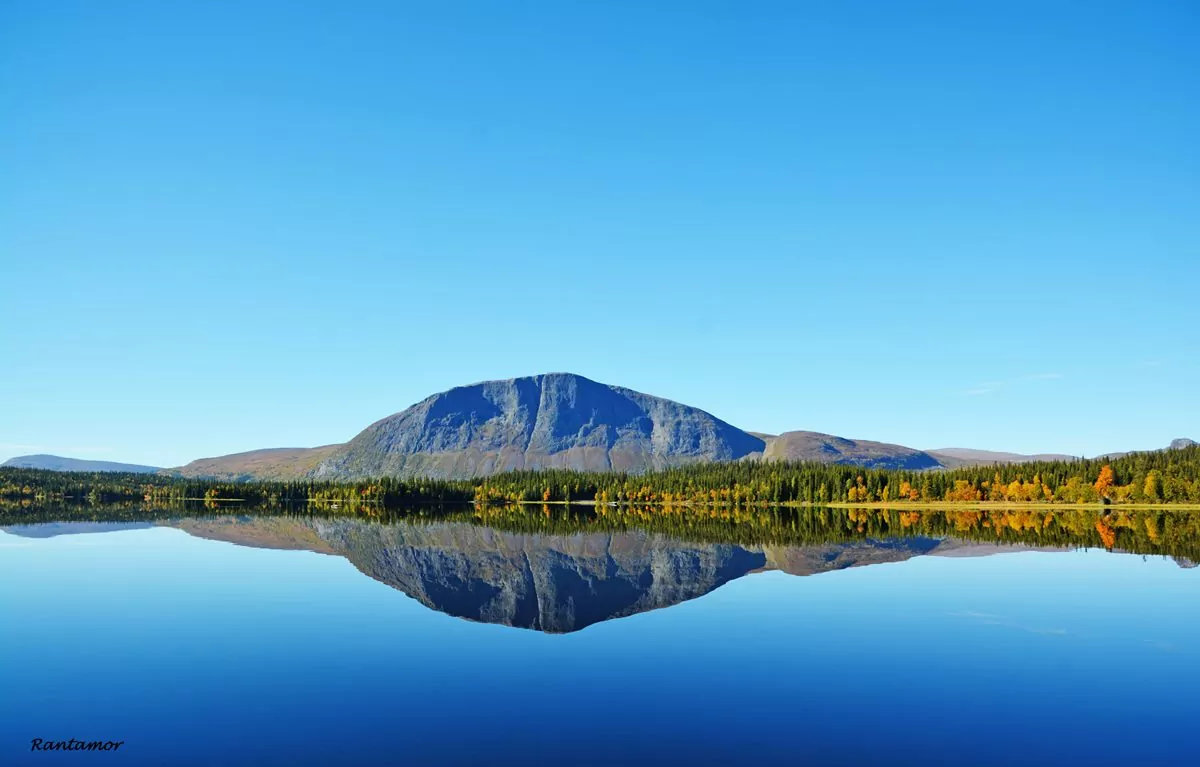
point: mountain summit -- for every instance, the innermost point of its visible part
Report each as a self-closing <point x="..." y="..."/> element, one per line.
<point x="557" y="420"/>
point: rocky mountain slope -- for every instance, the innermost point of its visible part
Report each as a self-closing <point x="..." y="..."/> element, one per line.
<point x="559" y="420"/>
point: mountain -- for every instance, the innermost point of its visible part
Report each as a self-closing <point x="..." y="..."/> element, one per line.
<point x="953" y="457"/>
<point x="558" y="420"/>
<point x="59" y="463"/>
<point x="826" y="448"/>
<point x="269" y="464"/>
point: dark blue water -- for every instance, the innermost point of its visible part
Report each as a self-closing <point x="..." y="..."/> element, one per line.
<point x="605" y="650"/>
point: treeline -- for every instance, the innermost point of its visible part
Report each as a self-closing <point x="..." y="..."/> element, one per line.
<point x="110" y="487"/>
<point x="1169" y="476"/>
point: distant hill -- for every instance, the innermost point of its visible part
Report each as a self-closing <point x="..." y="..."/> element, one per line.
<point x="826" y="448"/>
<point x="268" y="464"/>
<point x="558" y="420"/>
<point x="1176" y="444"/>
<point x="953" y="457"/>
<point x="59" y="463"/>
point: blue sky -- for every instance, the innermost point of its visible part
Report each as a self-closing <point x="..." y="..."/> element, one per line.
<point x="226" y="226"/>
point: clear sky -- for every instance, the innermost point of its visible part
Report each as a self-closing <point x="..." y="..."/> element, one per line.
<point x="226" y="226"/>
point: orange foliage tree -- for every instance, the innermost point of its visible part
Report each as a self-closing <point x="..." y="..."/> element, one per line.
<point x="1104" y="482"/>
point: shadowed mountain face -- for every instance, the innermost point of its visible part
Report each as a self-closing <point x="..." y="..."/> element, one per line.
<point x="558" y="420"/>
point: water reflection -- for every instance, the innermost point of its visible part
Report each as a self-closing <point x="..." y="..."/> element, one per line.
<point x="554" y="582"/>
<point x="196" y="651"/>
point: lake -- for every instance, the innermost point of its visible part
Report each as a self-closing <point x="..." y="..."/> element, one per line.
<point x="314" y="640"/>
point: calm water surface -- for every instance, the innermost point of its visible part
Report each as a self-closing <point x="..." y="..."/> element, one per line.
<point x="307" y="641"/>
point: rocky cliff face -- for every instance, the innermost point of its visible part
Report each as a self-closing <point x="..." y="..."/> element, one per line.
<point x="558" y="420"/>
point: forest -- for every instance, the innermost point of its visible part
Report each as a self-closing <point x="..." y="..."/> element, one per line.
<point x="1166" y="476"/>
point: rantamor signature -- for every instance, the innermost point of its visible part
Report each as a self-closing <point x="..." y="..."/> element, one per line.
<point x="37" y="744"/>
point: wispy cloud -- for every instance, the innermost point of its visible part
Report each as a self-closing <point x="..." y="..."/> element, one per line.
<point x="979" y="391"/>
<point x="991" y="387"/>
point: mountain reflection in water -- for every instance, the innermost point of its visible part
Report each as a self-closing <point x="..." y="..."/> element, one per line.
<point x="555" y="583"/>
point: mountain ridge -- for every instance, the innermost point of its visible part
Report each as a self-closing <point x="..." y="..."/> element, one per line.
<point x="550" y="420"/>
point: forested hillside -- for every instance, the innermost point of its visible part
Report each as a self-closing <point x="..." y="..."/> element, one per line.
<point x="1170" y="476"/>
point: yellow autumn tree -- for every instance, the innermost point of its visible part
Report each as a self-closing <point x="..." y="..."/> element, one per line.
<point x="1153" y="486"/>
